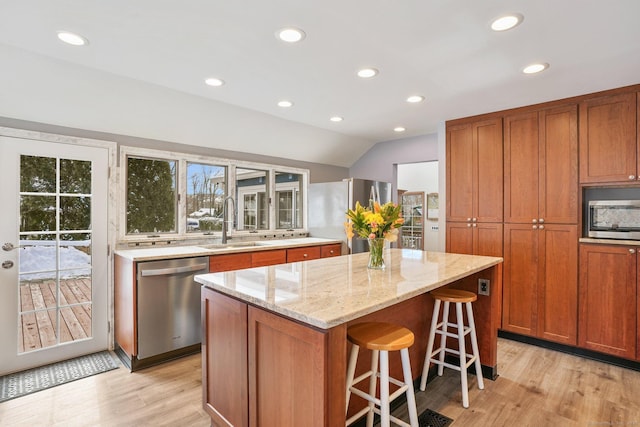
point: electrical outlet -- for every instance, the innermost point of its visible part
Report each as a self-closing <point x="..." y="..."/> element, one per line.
<point x="484" y="286"/>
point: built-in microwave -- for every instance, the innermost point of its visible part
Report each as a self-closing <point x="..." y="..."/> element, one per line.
<point x="614" y="219"/>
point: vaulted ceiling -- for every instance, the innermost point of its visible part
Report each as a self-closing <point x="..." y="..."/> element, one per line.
<point x="443" y="50"/>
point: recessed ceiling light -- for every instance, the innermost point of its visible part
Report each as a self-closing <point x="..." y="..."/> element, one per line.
<point x="290" y="34"/>
<point x="399" y="129"/>
<point x="336" y="119"/>
<point x="506" y="22"/>
<point x="535" y="68"/>
<point x="214" y="81"/>
<point x="72" y="39"/>
<point x="367" y="73"/>
<point x="415" y="98"/>
<point x="285" y="104"/>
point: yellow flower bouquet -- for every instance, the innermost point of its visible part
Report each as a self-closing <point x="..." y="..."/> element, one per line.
<point x="382" y="221"/>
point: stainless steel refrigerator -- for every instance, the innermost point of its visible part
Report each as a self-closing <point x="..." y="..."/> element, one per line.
<point x="329" y="201"/>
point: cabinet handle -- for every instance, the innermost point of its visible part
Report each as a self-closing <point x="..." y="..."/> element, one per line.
<point x="475" y="225"/>
<point x="468" y="219"/>
<point x="541" y="220"/>
<point x="632" y="177"/>
<point x="468" y="225"/>
<point x="632" y="251"/>
<point x="535" y="227"/>
<point x="474" y="219"/>
<point x="534" y="221"/>
<point x="304" y="256"/>
<point x="541" y="227"/>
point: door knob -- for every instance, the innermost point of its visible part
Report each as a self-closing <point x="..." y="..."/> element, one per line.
<point x="7" y="264"/>
<point x="9" y="247"/>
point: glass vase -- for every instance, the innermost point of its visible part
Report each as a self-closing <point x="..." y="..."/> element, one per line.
<point x="376" y="249"/>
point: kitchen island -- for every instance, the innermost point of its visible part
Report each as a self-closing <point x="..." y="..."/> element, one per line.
<point x="274" y="338"/>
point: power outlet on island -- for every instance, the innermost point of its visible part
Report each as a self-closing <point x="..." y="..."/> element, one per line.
<point x="484" y="286"/>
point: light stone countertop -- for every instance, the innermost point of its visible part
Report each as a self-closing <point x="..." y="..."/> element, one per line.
<point x="609" y="241"/>
<point x="328" y="292"/>
<point x="234" y="246"/>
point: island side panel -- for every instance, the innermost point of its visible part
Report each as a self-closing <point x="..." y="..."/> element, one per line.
<point x="224" y="359"/>
<point x="290" y="368"/>
<point x="125" y="305"/>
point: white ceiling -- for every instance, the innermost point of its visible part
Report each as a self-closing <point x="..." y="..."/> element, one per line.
<point x="442" y="49"/>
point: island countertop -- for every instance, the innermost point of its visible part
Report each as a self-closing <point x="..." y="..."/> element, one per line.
<point x="325" y="293"/>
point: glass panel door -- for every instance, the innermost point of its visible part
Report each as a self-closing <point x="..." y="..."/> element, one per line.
<point x="54" y="252"/>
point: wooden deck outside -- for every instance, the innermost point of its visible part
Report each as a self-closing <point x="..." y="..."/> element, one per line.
<point x="38" y="324"/>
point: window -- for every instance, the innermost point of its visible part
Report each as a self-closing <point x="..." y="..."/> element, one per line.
<point x="151" y="196"/>
<point x="206" y="188"/>
<point x="178" y="195"/>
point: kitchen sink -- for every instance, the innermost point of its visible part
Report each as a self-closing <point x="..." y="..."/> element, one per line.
<point x="231" y="245"/>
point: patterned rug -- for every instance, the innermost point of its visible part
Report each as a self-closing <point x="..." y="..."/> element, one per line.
<point x="32" y="380"/>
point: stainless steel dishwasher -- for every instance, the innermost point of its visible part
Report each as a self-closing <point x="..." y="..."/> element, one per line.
<point x="169" y="305"/>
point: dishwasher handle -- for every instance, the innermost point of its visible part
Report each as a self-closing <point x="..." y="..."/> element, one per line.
<point x="173" y="270"/>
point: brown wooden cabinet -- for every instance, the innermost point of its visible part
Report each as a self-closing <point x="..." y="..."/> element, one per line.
<point x="474" y="171"/>
<point x="327" y="251"/>
<point x="303" y="254"/>
<point x="541" y="166"/>
<point x="541" y="298"/>
<point x="227" y="262"/>
<point x="474" y="188"/>
<point x="609" y="299"/>
<point x="261" y="369"/>
<point x="609" y="139"/>
<point x="264" y="258"/>
<point x="475" y="238"/>
<point x="225" y="384"/>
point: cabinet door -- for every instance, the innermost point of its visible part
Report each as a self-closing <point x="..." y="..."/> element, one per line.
<point x="459" y="173"/>
<point x="327" y="251"/>
<point x="288" y="372"/>
<point x="474" y="171"/>
<point x="488" y="171"/>
<point x="263" y="258"/>
<point x="608" y="139"/>
<point x="228" y="262"/>
<point x="487" y="239"/>
<point x="607" y="295"/>
<point x="520" y="283"/>
<point x="521" y="161"/>
<point x="558" y="201"/>
<point x="303" y="254"/>
<point x="558" y="294"/>
<point x="459" y="238"/>
<point x="224" y="359"/>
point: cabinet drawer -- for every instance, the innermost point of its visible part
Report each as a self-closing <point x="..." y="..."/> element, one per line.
<point x="260" y="259"/>
<point x="327" y="251"/>
<point x="303" y="254"/>
<point x="227" y="262"/>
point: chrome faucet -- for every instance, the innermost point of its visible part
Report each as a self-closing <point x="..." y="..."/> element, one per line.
<point x="224" y="217"/>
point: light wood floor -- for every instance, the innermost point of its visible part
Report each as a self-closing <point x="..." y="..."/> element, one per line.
<point x="536" y="387"/>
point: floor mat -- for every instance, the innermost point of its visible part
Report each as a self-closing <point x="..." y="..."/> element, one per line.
<point x="32" y="380"/>
<point x="431" y="418"/>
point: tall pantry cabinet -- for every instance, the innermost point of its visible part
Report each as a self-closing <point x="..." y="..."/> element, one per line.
<point x="474" y="187"/>
<point x="540" y="294"/>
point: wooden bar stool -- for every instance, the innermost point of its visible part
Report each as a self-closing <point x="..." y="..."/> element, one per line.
<point x="381" y="338"/>
<point x="458" y="297"/>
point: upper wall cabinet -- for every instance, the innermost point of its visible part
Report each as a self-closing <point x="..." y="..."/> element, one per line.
<point x="609" y="139"/>
<point x="541" y="166"/>
<point x="474" y="171"/>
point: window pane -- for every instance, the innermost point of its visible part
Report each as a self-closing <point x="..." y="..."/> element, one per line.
<point x="37" y="213"/>
<point x="151" y="196"/>
<point x="206" y="186"/>
<point x="253" y="202"/>
<point x="75" y="213"/>
<point x="289" y="197"/>
<point x="37" y="174"/>
<point x="75" y="176"/>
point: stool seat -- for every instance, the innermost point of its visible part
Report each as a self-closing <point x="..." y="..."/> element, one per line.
<point x="453" y="295"/>
<point x="380" y="336"/>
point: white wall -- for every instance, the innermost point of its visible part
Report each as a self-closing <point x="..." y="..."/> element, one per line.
<point x="422" y="177"/>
